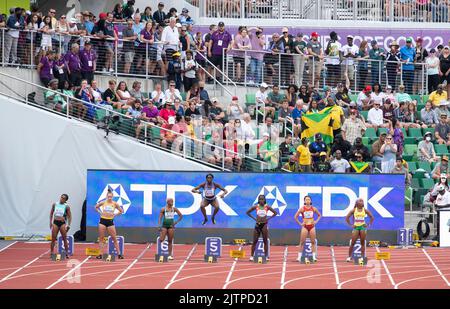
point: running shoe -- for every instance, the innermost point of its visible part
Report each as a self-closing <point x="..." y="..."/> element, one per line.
<point x="251" y="259"/>
<point x="120" y="257"/>
<point x="99" y="257"/>
<point x="314" y="259"/>
<point x="170" y="258"/>
<point x="213" y="220"/>
<point x="204" y="221"/>
<point x="349" y="259"/>
<point x="267" y="258"/>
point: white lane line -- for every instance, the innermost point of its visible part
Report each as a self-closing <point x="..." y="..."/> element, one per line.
<point x="336" y="274"/>
<point x="128" y="268"/>
<point x="68" y="273"/>
<point x="283" y="274"/>
<point x="435" y="266"/>
<point x="3" y="249"/>
<point x="387" y="270"/>
<point x="231" y="271"/>
<point x="181" y="267"/>
<point x="26" y="265"/>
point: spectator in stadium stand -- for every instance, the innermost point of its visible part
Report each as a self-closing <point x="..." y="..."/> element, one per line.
<point x="304" y="156"/>
<point x="158" y="96"/>
<point x="203" y="92"/>
<point x="219" y="44"/>
<point x="82" y="93"/>
<point x="118" y="13"/>
<point x="316" y="61"/>
<point x="402" y="96"/>
<point x="129" y="38"/>
<point x="377" y="156"/>
<point x="399" y="112"/>
<point x="135" y="111"/>
<point x="428" y="115"/>
<point x="88" y="60"/>
<point x="200" y="55"/>
<point x="240" y="44"/>
<point x="322" y="165"/>
<point x="124" y="95"/>
<point x="73" y="61"/>
<point x="400" y="169"/>
<point x="2" y="21"/>
<point x="174" y="70"/>
<point x="286" y="147"/>
<point x="136" y="93"/>
<point x="304" y="94"/>
<point x="442" y="131"/>
<point x="87" y="21"/>
<point x="128" y="9"/>
<point x="287" y="67"/>
<point x="172" y="13"/>
<point x="275" y="97"/>
<point x="273" y="131"/>
<point x="150" y="113"/>
<point x="439" y="49"/>
<point x="291" y="95"/>
<point x="189" y="68"/>
<point x="425" y="149"/>
<point x="313" y="107"/>
<point x="167" y="135"/>
<point x="348" y="53"/>
<point x="110" y="34"/>
<point x="323" y="100"/>
<point x="299" y="50"/>
<point x="272" y="56"/>
<point x="147" y="15"/>
<point x="60" y="69"/>
<point x="139" y="48"/>
<point x="337" y="115"/>
<point x="147" y="47"/>
<point x="390" y="95"/>
<point x="160" y="16"/>
<point x="419" y="59"/>
<point x="432" y="67"/>
<point x="261" y="99"/>
<point x="234" y="110"/>
<point x="284" y="114"/>
<point x="45" y="68"/>
<point x="375" y="117"/>
<point x="388" y="110"/>
<point x="363" y="64"/>
<point x="185" y="42"/>
<point x="15" y="23"/>
<point x="339" y="164"/>
<point x="166" y="112"/>
<point x="392" y="64"/>
<point x="339" y="144"/>
<point x="377" y="54"/>
<point x="97" y="94"/>
<point x="316" y="147"/>
<point x="110" y="96"/>
<point x="407" y="56"/>
<point x="411" y="120"/>
<point x="217" y="111"/>
<point x="172" y="92"/>
<point x="170" y="38"/>
<point x="191" y="110"/>
<point x="178" y="107"/>
<point x="52" y="97"/>
<point x="364" y="100"/>
<point x="359" y="147"/>
<point x="193" y="94"/>
<point x="360" y="165"/>
<point x="441" y="168"/>
<point x="257" y="41"/>
<point x="377" y="94"/>
<point x="442" y="110"/>
<point x="437" y="96"/>
<point x="389" y="151"/>
<point x="184" y="17"/>
<point x="333" y="62"/>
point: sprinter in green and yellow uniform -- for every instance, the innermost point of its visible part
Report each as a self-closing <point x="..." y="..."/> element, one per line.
<point x="359" y="226"/>
<point x="167" y="215"/>
<point x="58" y="224"/>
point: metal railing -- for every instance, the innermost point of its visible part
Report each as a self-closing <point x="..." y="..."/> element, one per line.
<point x="286" y="69"/>
<point x="204" y="143"/>
<point x="365" y="10"/>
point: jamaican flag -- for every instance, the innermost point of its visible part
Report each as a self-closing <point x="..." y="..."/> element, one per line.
<point x="359" y="167"/>
<point x="320" y="122"/>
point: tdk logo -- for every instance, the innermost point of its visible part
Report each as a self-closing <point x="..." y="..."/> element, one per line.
<point x="274" y="199"/>
<point x="273" y="195"/>
<point x="119" y="195"/>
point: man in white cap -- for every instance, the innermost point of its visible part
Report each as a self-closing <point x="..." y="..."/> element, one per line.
<point x="442" y="110"/>
<point x="261" y="97"/>
<point x="348" y="53"/>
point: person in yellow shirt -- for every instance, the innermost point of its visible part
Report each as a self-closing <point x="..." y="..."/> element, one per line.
<point x="304" y="156"/>
<point x="337" y="114"/>
<point x="438" y="95"/>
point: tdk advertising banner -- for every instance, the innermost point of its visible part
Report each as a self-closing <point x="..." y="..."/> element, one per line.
<point x="142" y="194"/>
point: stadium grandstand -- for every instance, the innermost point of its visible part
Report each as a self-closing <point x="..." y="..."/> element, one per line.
<point x="258" y="87"/>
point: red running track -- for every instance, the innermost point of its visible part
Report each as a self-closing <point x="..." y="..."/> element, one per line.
<point x="27" y="265"/>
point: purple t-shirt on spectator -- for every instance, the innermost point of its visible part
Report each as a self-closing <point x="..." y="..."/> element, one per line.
<point x="47" y="68"/>
<point x="148" y="35"/>
<point x="255" y="46"/>
<point x="150" y="113"/>
<point x="87" y="59"/>
<point x="238" y="39"/>
<point x="220" y="41"/>
<point x="73" y="61"/>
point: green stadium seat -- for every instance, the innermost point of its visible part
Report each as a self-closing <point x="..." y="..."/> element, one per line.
<point x="183" y="96"/>
<point x="420" y="106"/>
<point x="100" y="113"/>
<point x="412" y="166"/>
<point x="415" y="183"/>
<point x="250" y="98"/>
<point x="424" y="165"/>
<point x="416" y="97"/>
<point x="126" y="127"/>
<point x="441" y="150"/>
<point x="364" y="114"/>
<point x="409" y="140"/>
<point x="426" y="183"/>
<point x="428" y="130"/>
<point x="415" y="133"/>
<point x="366" y="141"/>
<point x="425" y="99"/>
<point x="370" y="133"/>
<point x="409" y="151"/>
<point x="145" y="95"/>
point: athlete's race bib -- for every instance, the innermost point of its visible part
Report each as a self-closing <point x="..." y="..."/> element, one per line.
<point x="169" y="214"/>
<point x="261" y="213"/>
<point x="308" y="214"/>
<point x="59" y="210"/>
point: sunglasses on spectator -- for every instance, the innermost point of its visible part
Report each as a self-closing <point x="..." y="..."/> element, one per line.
<point x="172" y="85"/>
<point x="388" y="138"/>
<point x="53" y="12"/>
<point x="63" y="17"/>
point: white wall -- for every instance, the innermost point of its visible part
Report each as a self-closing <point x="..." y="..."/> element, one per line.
<point x="43" y="155"/>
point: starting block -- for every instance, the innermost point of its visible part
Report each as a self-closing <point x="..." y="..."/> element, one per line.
<point x="58" y="257"/>
<point x="307" y="250"/>
<point x="259" y="248"/>
<point x="70" y="242"/>
<point x="109" y="258"/>
<point x="306" y="260"/>
<point x="357" y="253"/>
<point x="361" y="261"/>
<point x="260" y="260"/>
<point x="213" y="249"/>
<point x="112" y="249"/>
<point x="161" y="258"/>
